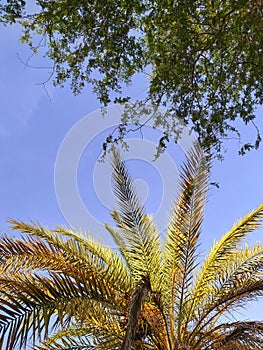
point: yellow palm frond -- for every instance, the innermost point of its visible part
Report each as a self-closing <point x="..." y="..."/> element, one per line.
<point x="238" y="280"/>
<point x="38" y="302"/>
<point x="100" y="327"/>
<point x="73" y="276"/>
<point x="222" y="253"/>
<point x="30" y="252"/>
<point x="67" y="247"/>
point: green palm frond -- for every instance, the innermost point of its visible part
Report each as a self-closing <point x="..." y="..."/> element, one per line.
<point x="139" y="234"/>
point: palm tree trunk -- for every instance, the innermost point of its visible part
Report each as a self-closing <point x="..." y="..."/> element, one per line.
<point x="141" y="291"/>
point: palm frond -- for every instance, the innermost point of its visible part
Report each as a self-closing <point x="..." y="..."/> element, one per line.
<point x="118" y="239"/>
<point x="114" y="269"/>
<point x="70" y="248"/>
<point x="38" y="302"/>
<point x="25" y="312"/>
<point x="72" y="338"/>
<point x="242" y="335"/>
<point x="139" y="234"/>
<point x="222" y="253"/>
<point x="239" y="281"/>
<point x="99" y="329"/>
<point x="31" y="252"/>
<point x="184" y="230"/>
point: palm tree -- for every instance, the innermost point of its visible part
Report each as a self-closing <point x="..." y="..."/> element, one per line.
<point x="68" y="291"/>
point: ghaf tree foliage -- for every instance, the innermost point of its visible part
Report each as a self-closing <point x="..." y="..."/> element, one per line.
<point x="203" y="59"/>
<point x="74" y="293"/>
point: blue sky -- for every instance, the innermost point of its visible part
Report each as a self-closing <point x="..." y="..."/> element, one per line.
<point x="33" y="126"/>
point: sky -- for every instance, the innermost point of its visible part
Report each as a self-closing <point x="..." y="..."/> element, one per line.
<point x="49" y="144"/>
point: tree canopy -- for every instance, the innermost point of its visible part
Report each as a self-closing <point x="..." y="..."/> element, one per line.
<point x="203" y="59"/>
<point x="63" y="287"/>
